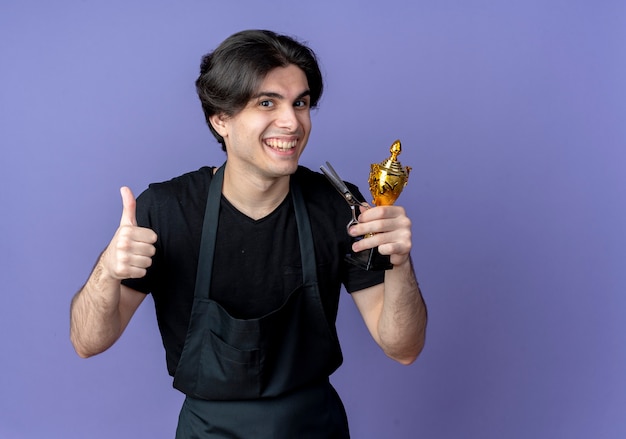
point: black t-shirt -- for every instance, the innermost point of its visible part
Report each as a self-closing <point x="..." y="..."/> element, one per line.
<point x="253" y="258"/>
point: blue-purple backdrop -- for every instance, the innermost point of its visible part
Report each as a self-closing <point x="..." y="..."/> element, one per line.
<point x="512" y="114"/>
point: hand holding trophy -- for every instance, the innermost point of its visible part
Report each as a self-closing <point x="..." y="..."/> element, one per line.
<point x="386" y="181"/>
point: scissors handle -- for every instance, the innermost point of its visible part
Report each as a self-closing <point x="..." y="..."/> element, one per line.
<point x="342" y="188"/>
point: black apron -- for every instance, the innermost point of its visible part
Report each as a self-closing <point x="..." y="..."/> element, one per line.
<point x="265" y="377"/>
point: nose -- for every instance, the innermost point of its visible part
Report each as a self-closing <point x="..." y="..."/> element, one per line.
<point x="287" y="118"/>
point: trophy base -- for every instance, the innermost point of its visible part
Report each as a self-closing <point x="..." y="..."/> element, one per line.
<point x="370" y="260"/>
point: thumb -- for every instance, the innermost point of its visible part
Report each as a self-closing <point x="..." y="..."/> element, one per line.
<point x="129" y="204"/>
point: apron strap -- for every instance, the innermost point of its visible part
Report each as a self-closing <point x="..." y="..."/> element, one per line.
<point x="209" y="235"/>
<point x="305" y="235"/>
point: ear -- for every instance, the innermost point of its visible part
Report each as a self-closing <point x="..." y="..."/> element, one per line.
<point x="218" y="121"/>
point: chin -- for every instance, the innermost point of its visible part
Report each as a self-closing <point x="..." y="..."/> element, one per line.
<point x="284" y="169"/>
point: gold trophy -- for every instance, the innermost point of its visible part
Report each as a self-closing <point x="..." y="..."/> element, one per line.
<point x="386" y="182"/>
<point x="387" y="179"/>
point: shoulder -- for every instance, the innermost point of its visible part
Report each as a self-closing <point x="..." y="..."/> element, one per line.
<point x="185" y="182"/>
<point x="188" y="186"/>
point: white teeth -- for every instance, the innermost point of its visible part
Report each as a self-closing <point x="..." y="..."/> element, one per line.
<point x="281" y="145"/>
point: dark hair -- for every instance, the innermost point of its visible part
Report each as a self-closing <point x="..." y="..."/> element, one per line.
<point x="232" y="73"/>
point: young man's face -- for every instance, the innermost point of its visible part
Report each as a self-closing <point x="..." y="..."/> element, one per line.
<point x="268" y="136"/>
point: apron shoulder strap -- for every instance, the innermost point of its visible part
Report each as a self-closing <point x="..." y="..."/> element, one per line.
<point x="209" y="234"/>
<point x="305" y="234"/>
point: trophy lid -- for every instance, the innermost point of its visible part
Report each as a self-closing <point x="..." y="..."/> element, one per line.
<point x="392" y="164"/>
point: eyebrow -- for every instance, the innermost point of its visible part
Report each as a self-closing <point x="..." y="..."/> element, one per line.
<point x="271" y="94"/>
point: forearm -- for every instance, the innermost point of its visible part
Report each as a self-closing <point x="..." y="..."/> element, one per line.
<point x="95" y="321"/>
<point x="403" y="317"/>
<point x="102" y="308"/>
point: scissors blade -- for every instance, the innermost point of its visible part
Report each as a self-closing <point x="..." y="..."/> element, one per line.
<point x="338" y="183"/>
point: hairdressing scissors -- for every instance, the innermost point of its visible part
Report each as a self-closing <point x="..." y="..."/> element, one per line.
<point x="341" y="187"/>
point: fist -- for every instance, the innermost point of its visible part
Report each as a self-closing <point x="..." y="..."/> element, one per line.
<point x="385" y="227"/>
<point x="130" y="251"/>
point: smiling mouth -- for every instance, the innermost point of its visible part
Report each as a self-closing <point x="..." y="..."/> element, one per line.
<point x="281" y="145"/>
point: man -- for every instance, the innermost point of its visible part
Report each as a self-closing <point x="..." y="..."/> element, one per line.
<point x="245" y="261"/>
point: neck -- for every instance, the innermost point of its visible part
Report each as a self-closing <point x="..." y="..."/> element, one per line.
<point x="253" y="196"/>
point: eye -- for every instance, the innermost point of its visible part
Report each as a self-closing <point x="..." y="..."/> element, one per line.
<point x="301" y="103"/>
<point x="266" y="103"/>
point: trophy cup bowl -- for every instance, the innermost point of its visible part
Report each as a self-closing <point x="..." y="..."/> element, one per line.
<point x="386" y="181"/>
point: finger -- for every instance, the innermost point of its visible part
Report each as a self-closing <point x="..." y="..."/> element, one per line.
<point x="141" y="249"/>
<point x="143" y="234"/>
<point x="372" y="227"/>
<point x="135" y="240"/>
<point x="395" y="241"/>
<point x="135" y="267"/>
<point x="363" y="207"/>
<point x="381" y="212"/>
<point x="129" y="205"/>
<point x="139" y="262"/>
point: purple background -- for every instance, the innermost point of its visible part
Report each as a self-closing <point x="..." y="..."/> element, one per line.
<point x="512" y="114"/>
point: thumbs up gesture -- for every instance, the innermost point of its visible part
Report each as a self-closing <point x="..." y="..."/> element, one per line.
<point x="130" y="252"/>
